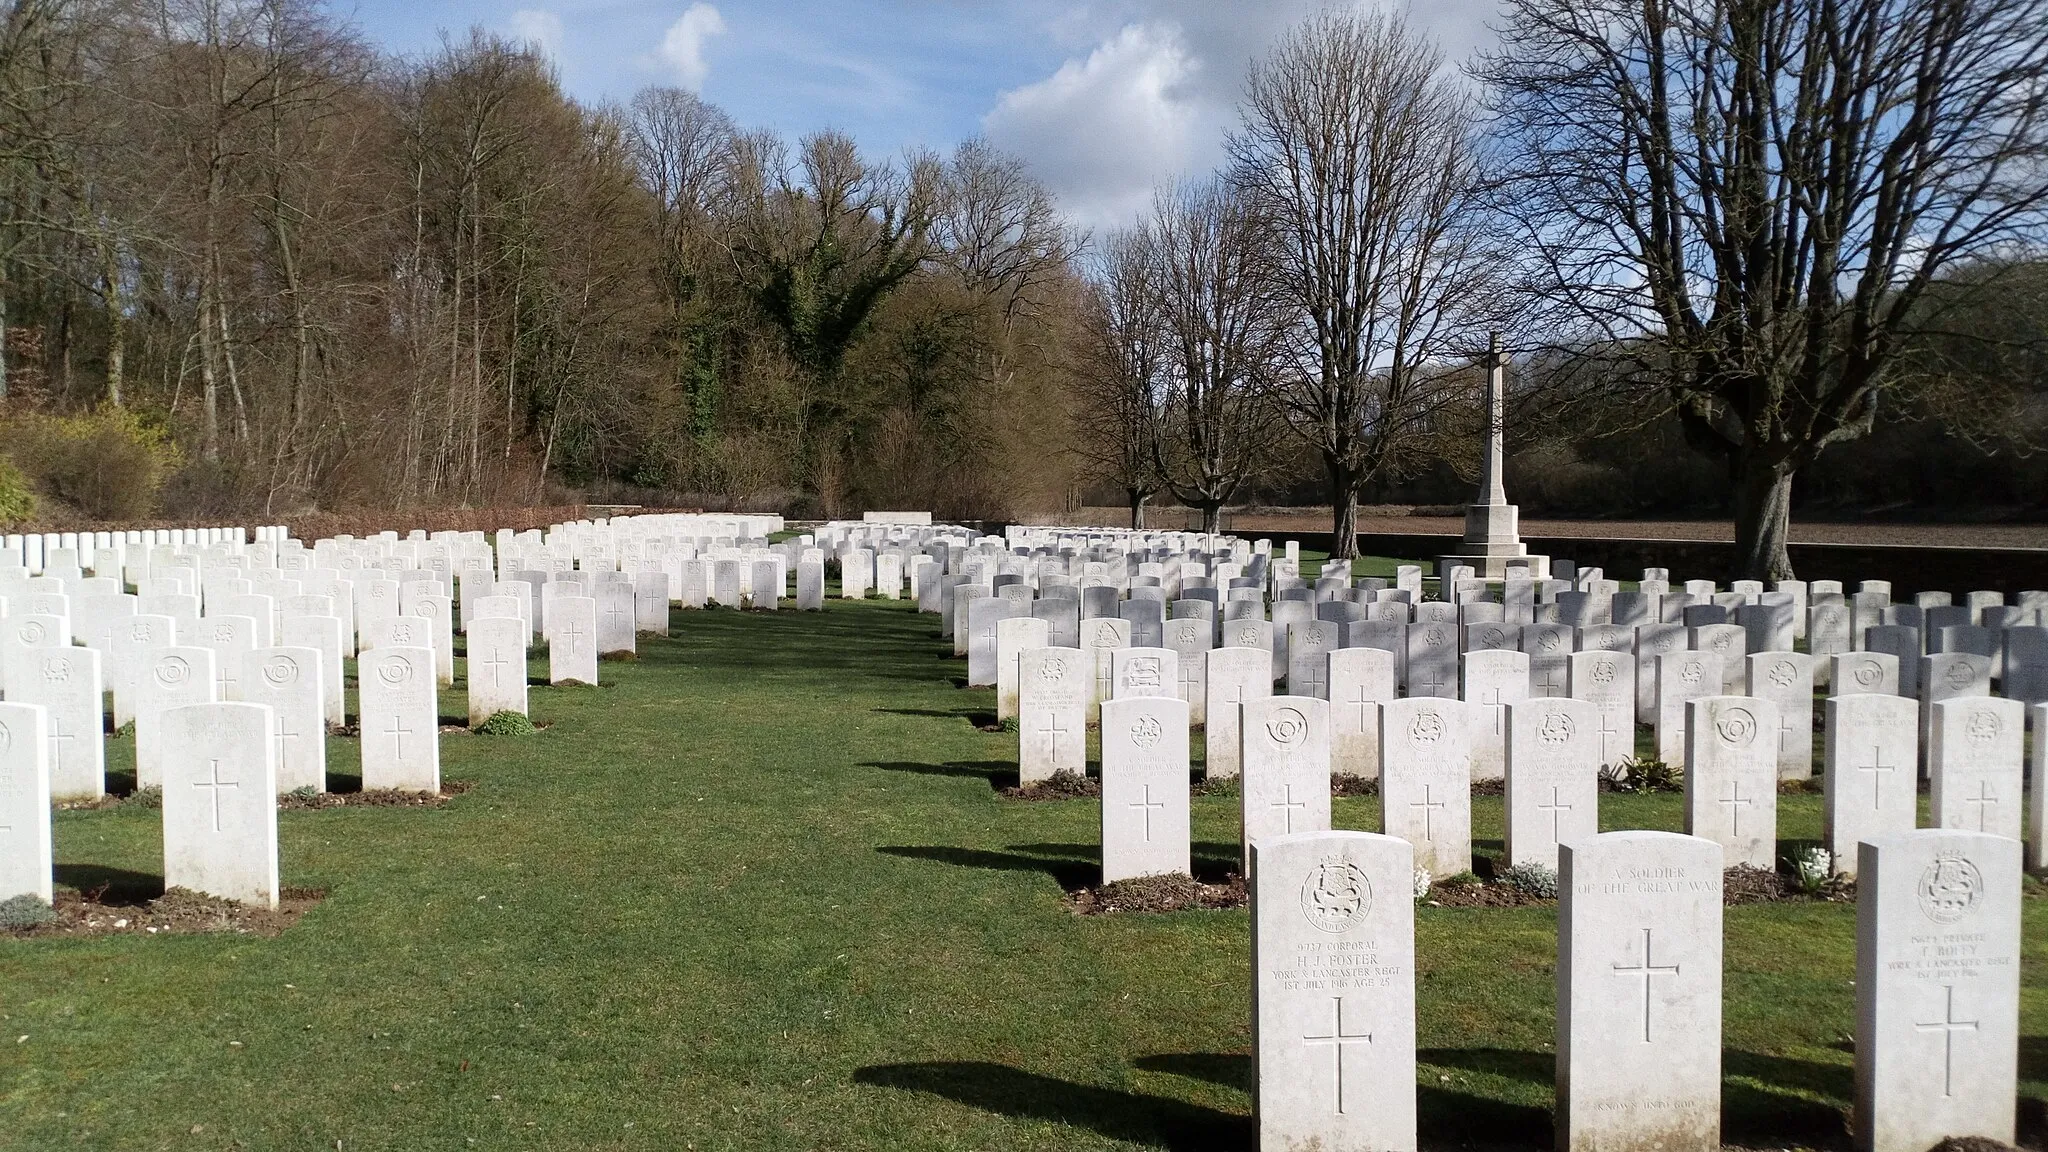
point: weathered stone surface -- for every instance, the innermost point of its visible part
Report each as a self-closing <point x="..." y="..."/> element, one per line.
<point x="1639" y="994"/>
<point x="1333" y="979"/>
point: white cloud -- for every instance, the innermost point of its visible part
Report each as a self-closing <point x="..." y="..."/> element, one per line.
<point x="682" y="47"/>
<point x="1102" y="131"/>
<point x="540" y="28"/>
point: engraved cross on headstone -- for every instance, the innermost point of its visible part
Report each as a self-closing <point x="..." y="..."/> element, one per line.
<point x="1337" y="1039"/>
<point x="1609" y="734"/>
<point x="1556" y="808"/>
<point x="1948" y="1026"/>
<point x="497" y="664"/>
<point x="1736" y="802"/>
<point x="398" y="731"/>
<point x="1429" y="809"/>
<point x="1877" y="767"/>
<point x="1148" y="806"/>
<point x="214" y="786"/>
<point x="1498" y="707"/>
<point x="1052" y="731"/>
<point x="1649" y="971"/>
<point x="1985" y="801"/>
<point x="1289" y="805"/>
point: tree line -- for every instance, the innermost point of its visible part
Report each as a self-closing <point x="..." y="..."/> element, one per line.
<point x="247" y="262"/>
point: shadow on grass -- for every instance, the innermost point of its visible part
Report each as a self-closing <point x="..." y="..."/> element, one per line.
<point x="1507" y="1063"/>
<point x="1230" y="1069"/>
<point x="999" y="773"/>
<point x="1070" y="874"/>
<point x="1155" y="1121"/>
<point x="110" y="885"/>
<point x="1754" y="1115"/>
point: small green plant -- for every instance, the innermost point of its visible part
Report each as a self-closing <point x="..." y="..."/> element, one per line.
<point x="506" y="723"/>
<point x="1530" y="880"/>
<point x="1643" y="774"/>
<point x="303" y="792"/>
<point x="25" y="911"/>
<point x="150" y="797"/>
<point x="1813" y="868"/>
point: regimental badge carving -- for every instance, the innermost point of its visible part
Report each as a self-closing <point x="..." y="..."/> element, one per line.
<point x="395" y="671"/>
<point x="1691" y="671"/>
<point x="1311" y="638"/>
<point x="1248" y="638"/>
<point x="6" y="739"/>
<point x="1052" y="671"/>
<point x="31" y="632"/>
<point x="1287" y="726"/>
<point x="1983" y="727"/>
<point x="1427" y="728"/>
<point x="1556" y="729"/>
<point x="57" y="670"/>
<point x="1736" y="726"/>
<point x="1960" y="676"/>
<point x="1433" y="637"/>
<point x="139" y="633"/>
<point x="1949" y="888"/>
<point x="1146" y="731"/>
<point x="1336" y="896"/>
<point x="172" y="671"/>
<point x="223" y="633"/>
<point x="1783" y="673"/>
<point x="1105" y="637"/>
<point x="1603" y="672"/>
<point x="1547" y="641"/>
<point x="281" y="670"/>
<point x="1869" y="673"/>
<point x="1144" y="672"/>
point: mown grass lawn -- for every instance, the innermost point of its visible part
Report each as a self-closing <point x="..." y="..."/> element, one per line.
<point x="758" y="891"/>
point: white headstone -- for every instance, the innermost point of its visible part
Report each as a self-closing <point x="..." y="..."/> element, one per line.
<point x="572" y="640"/>
<point x="1973" y="761"/>
<point x="1870" y="764"/>
<point x="1607" y="680"/>
<point x="289" y="681"/>
<point x="1786" y="680"/>
<point x="1052" y="699"/>
<point x="1235" y="675"/>
<point x="1286" y="785"/>
<point x="1937" y="989"/>
<point x="173" y="676"/>
<point x="220" y="800"/>
<point x="1361" y="679"/>
<point x="66" y="682"/>
<point x="25" y="845"/>
<point x="1144" y="787"/>
<point x="1731" y="777"/>
<point x="324" y="634"/>
<point x="1639" y="994"/>
<point x="400" y="720"/>
<point x="1553" y="777"/>
<point x="1681" y="677"/>
<point x="1014" y="636"/>
<point x="1426" y="779"/>
<point x="496" y="669"/>
<point x="1494" y="679"/>
<point x="1333" y="988"/>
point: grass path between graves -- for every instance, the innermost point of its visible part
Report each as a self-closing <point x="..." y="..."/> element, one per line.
<point x="758" y="892"/>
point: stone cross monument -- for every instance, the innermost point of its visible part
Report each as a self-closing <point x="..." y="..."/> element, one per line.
<point x="1491" y="540"/>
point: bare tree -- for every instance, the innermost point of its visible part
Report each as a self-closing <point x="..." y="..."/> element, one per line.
<point x="1222" y="329"/>
<point x="1756" y="197"/>
<point x="1116" y="371"/>
<point x="1358" y="150"/>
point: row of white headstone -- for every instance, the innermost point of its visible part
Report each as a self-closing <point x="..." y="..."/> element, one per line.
<point x="226" y="721"/>
<point x="1639" y="991"/>
<point x="1284" y="749"/>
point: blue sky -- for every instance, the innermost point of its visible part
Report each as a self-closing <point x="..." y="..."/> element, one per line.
<point x="1103" y="98"/>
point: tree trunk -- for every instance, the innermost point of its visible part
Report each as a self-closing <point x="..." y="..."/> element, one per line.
<point x="1212" y="518"/>
<point x="1138" y="509"/>
<point x="1343" y="511"/>
<point x="117" y="326"/>
<point x="1763" y="517"/>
